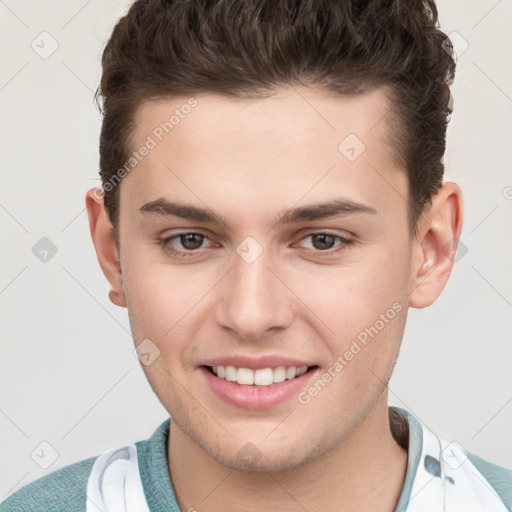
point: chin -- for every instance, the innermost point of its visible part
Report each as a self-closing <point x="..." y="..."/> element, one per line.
<point x="265" y="455"/>
<point x="250" y="459"/>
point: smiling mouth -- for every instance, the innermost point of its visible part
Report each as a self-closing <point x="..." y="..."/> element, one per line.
<point x="261" y="377"/>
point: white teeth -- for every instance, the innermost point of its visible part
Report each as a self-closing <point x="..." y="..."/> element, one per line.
<point x="245" y="376"/>
<point x="261" y="377"/>
<point x="230" y="373"/>
<point x="279" y="374"/>
<point x="291" y="372"/>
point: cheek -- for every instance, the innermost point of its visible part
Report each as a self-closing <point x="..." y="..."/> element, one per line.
<point x="364" y="307"/>
<point x="166" y="304"/>
<point x="165" y="300"/>
<point x="350" y="298"/>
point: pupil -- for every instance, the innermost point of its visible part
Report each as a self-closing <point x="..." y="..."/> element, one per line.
<point x="185" y="239"/>
<point x="323" y="243"/>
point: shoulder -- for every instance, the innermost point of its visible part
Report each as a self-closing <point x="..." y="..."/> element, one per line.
<point x="450" y="474"/>
<point x="66" y="489"/>
<point x="62" y="490"/>
<point x="498" y="477"/>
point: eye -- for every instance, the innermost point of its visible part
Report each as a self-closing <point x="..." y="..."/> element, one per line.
<point x="191" y="242"/>
<point x="322" y="242"/>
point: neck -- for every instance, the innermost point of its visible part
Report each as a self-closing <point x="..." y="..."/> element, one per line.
<point x="365" y="471"/>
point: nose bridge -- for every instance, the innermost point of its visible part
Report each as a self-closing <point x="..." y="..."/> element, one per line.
<point x="252" y="298"/>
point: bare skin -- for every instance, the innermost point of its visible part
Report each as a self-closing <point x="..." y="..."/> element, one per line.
<point x="249" y="161"/>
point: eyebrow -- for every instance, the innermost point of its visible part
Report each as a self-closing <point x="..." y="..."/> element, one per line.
<point x="300" y="214"/>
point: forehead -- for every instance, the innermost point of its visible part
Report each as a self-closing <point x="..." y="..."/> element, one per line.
<point x="269" y="151"/>
<point x="307" y="115"/>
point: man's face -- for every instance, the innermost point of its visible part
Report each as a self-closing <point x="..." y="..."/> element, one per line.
<point x="258" y="287"/>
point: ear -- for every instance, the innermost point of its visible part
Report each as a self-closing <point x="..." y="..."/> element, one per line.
<point x="102" y="234"/>
<point x="435" y="246"/>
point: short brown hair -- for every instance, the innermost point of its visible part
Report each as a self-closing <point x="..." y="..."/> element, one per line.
<point x="238" y="48"/>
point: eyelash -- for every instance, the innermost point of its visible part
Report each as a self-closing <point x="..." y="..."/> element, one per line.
<point x="165" y="244"/>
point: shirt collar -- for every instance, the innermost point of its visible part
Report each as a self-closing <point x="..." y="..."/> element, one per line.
<point x="439" y="475"/>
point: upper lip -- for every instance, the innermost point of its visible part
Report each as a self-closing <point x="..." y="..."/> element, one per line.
<point x="256" y="363"/>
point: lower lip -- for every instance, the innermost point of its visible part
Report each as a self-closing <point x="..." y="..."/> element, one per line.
<point x="256" y="397"/>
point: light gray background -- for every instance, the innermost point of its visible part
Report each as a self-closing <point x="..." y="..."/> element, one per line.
<point x="68" y="375"/>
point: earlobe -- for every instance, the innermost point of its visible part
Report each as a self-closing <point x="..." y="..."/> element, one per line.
<point x="102" y="234"/>
<point x="117" y="298"/>
<point x="434" y="249"/>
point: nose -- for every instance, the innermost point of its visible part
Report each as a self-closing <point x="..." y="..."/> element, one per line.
<point x="253" y="299"/>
